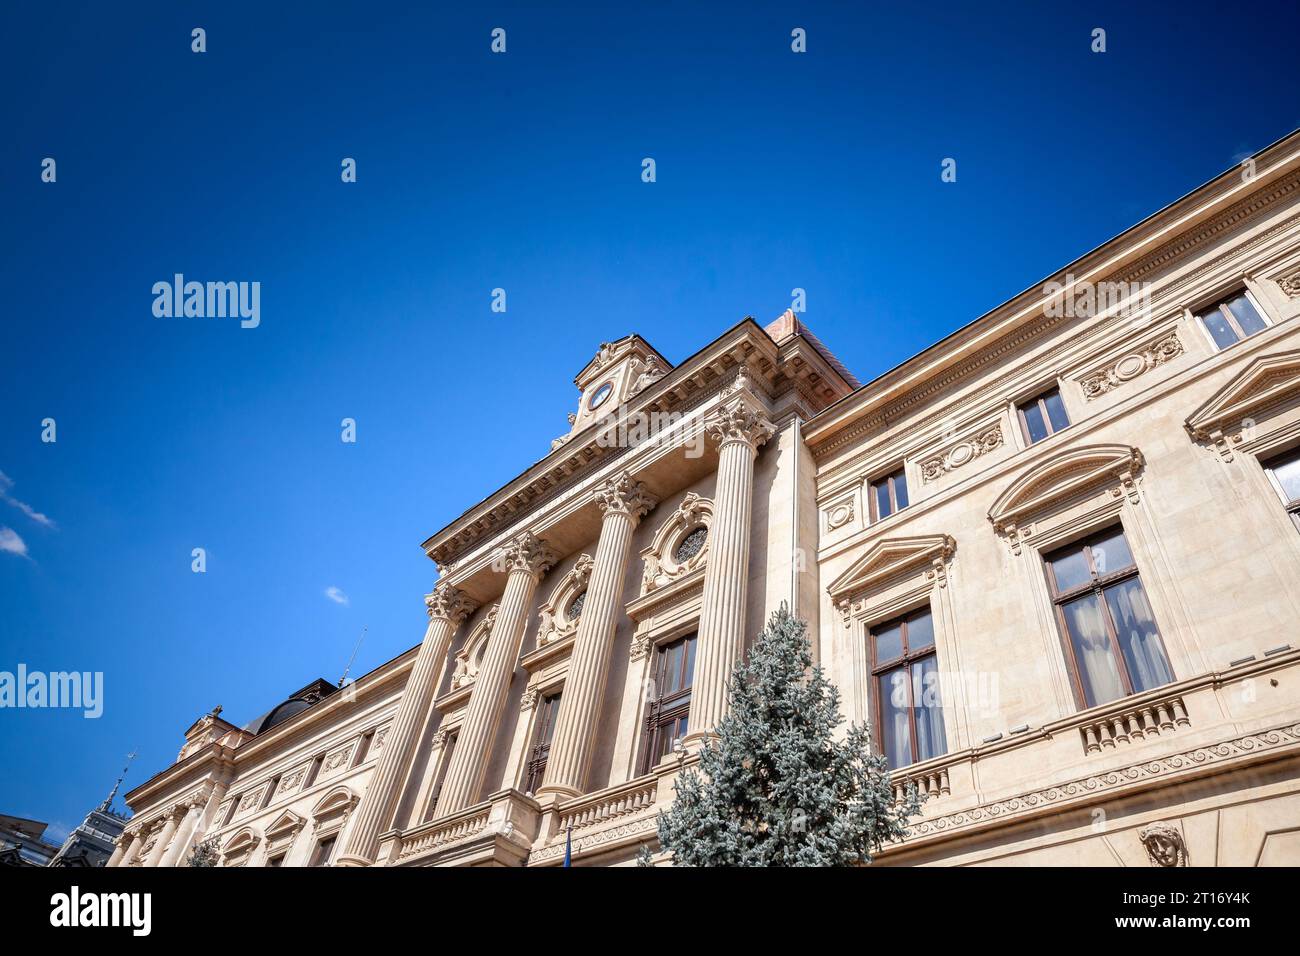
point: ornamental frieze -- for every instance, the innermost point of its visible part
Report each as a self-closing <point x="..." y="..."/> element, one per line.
<point x="962" y="453"/>
<point x="1290" y="284"/>
<point x="1130" y="366"/>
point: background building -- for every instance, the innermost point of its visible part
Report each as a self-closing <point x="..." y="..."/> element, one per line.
<point x="1051" y="559"/>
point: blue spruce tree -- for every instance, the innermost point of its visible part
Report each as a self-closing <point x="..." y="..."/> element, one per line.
<point x="775" y="788"/>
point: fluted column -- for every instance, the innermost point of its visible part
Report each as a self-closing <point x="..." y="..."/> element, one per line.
<point x="183" y="835"/>
<point x="526" y="559"/>
<point x="447" y="608"/>
<point x="738" y="428"/>
<point x="168" y="831"/>
<point x="127" y="843"/>
<point x="624" y="501"/>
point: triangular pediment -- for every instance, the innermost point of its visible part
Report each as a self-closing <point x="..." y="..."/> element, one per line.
<point x="888" y="557"/>
<point x="1062" y="477"/>
<point x="1267" y="380"/>
<point x="285" y="821"/>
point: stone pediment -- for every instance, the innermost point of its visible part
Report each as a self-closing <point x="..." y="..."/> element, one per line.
<point x="1264" y="383"/>
<point x="284" y="823"/>
<point x="339" y="800"/>
<point x="1060" y="478"/>
<point x="889" y="557"/>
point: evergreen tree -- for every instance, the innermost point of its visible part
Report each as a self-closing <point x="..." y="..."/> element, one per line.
<point x="205" y="853"/>
<point x="775" y="788"/>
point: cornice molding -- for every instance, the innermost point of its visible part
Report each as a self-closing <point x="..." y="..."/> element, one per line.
<point x="1037" y="326"/>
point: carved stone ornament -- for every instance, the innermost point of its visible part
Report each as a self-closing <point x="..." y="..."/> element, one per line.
<point x="557" y="616"/>
<point x="470" y="657"/>
<point x="962" y="453"/>
<point x="447" y="602"/>
<point x="1164" y="844"/>
<point x="1130" y="366"/>
<point x="623" y="494"/>
<point x="840" y="514"/>
<point x="662" y="566"/>
<point x="644" y="374"/>
<point x="527" y="553"/>
<point x="739" y="421"/>
<point x="1290" y="284"/>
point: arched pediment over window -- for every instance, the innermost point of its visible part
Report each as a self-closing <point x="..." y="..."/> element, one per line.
<point x="1266" y="384"/>
<point x="470" y="657"/>
<point x="560" y="614"/>
<point x="1061" y="479"/>
<point x="680" y="546"/>
<point x="240" y="846"/>
<point x="888" y="558"/>
<point x="341" y="799"/>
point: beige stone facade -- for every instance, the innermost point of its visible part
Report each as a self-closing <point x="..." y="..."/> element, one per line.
<point x="1077" y="504"/>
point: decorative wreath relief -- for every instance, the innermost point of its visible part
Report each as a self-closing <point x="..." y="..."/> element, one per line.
<point x="680" y="546"/>
<point x="470" y="657"/>
<point x="560" y="614"/>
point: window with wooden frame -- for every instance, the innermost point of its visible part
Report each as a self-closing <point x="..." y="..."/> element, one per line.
<point x="547" y="712"/>
<point x="668" y="717"/>
<point x="888" y="495"/>
<point x="1284" y="473"/>
<point x="1232" y="318"/>
<point x="324" y="850"/>
<point x="905" y="673"/>
<point x="1042" y="416"/>
<point x="1107" y="626"/>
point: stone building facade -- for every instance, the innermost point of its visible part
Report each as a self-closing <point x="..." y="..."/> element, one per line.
<point x="1052" y="559"/>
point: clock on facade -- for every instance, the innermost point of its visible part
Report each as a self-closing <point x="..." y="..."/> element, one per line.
<point x="601" y="395"/>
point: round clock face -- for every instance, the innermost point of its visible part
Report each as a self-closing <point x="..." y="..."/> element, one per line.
<point x="601" y="395"/>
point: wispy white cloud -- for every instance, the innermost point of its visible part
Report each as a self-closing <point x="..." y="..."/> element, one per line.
<point x="5" y="484"/>
<point x="12" y="542"/>
<point x="336" y="595"/>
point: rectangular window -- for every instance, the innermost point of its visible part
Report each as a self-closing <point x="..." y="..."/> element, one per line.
<point x="1232" y="319"/>
<point x="547" y="712"/>
<point x="888" y="495"/>
<point x="905" y="671"/>
<point x="1106" y="621"/>
<point x="444" y="763"/>
<point x="1284" y="473"/>
<point x="1043" y="416"/>
<point x="277" y="860"/>
<point x="668" y="718"/>
<point x="324" y="850"/>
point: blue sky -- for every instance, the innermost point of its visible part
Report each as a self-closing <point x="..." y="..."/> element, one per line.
<point x="478" y="171"/>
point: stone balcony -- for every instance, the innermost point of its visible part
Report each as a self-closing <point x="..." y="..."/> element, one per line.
<point x="497" y="832"/>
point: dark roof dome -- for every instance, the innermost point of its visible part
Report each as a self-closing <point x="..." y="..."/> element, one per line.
<point x="299" y="701"/>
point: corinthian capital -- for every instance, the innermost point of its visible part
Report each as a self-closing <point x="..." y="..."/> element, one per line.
<point x="623" y="494"/>
<point x="447" y="602"/>
<point x="525" y="552"/>
<point x="739" y="421"/>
